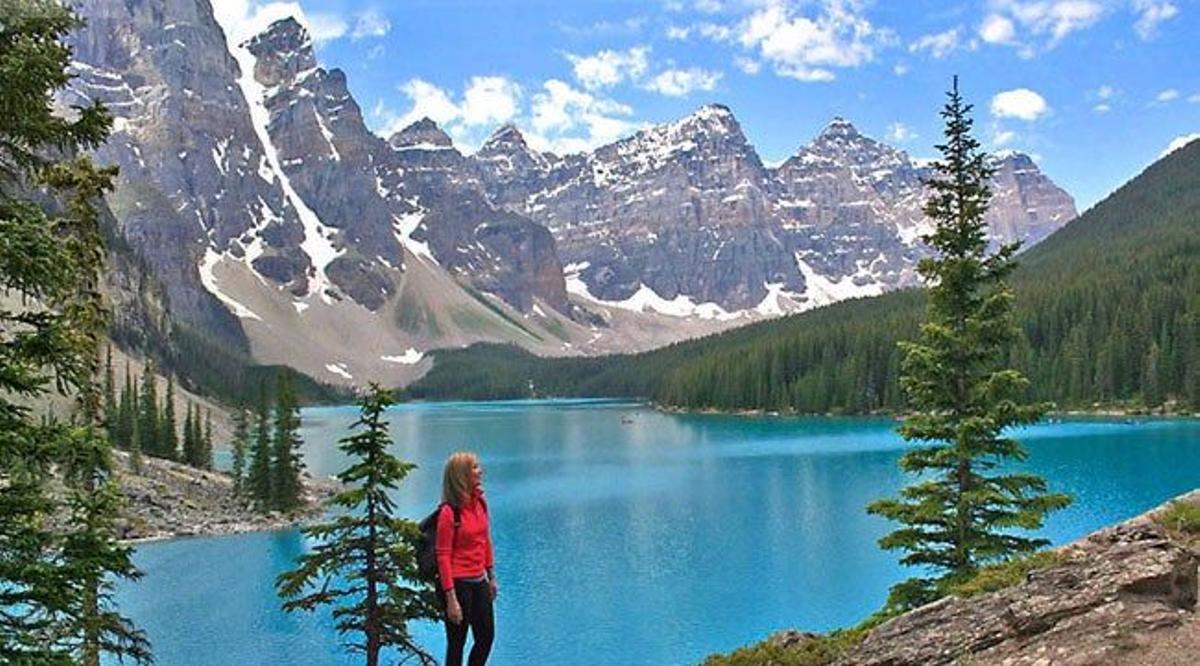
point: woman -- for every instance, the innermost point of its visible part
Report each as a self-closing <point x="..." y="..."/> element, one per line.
<point x="464" y="557"/>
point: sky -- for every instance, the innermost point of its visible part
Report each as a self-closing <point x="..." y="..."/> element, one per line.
<point x="1094" y="90"/>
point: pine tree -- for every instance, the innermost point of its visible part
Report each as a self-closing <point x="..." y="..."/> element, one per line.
<point x="191" y="447"/>
<point x="963" y="513"/>
<point x="111" y="409"/>
<point x="365" y="562"/>
<point x="148" y="427"/>
<point x="125" y="411"/>
<point x="241" y="419"/>
<point x="56" y="581"/>
<point x="206" y="450"/>
<point x="259" y="478"/>
<point x="285" y="442"/>
<point x="169" y="428"/>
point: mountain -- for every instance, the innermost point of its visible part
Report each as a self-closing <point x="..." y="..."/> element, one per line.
<point x="1109" y="306"/>
<point x="685" y="218"/>
<point x="280" y="225"/>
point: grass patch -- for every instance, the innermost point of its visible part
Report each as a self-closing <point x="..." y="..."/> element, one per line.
<point x="495" y="309"/>
<point x="1005" y="574"/>
<point x="1181" y="519"/>
<point x="555" y="327"/>
<point x="819" y="651"/>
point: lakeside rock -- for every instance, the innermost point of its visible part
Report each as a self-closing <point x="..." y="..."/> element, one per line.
<point x="1126" y="594"/>
<point x="1116" y="594"/>
<point x="169" y="499"/>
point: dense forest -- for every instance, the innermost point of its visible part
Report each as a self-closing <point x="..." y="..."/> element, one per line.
<point x="1109" y="308"/>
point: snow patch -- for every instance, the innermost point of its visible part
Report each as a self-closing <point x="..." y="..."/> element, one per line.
<point x="404" y="226"/>
<point x="820" y="290"/>
<point x="316" y="243"/>
<point x="409" y="357"/>
<point x="209" y="279"/>
<point x="339" y="369"/>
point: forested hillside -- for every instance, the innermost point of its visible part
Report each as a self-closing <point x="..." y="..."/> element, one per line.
<point x="1109" y="307"/>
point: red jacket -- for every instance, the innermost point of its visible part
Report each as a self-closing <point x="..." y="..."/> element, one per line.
<point x="467" y="551"/>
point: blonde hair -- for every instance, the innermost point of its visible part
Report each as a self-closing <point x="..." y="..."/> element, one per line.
<point x="456" y="479"/>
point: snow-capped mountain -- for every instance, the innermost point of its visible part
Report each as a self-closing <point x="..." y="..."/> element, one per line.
<point x="685" y="217"/>
<point x="276" y="218"/>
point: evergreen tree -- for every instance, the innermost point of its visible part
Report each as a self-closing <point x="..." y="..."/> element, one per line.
<point x="125" y="412"/>
<point x="239" y="445"/>
<point x="168" y="424"/>
<point x="191" y="447"/>
<point x="258" y="480"/>
<point x="206" y="450"/>
<point x="148" y="427"/>
<point x="111" y="408"/>
<point x="285" y="442"/>
<point x="963" y="512"/>
<point x="365" y="563"/>
<point x="55" y="582"/>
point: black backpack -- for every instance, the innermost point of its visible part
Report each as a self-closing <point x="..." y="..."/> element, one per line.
<point x="427" y="567"/>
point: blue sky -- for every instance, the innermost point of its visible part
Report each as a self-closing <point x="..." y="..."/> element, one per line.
<point x="1094" y="89"/>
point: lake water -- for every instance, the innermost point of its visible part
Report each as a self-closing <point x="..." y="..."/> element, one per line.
<point x="628" y="536"/>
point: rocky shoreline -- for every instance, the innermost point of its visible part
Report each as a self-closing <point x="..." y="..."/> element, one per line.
<point x="1126" y="594"/>
<point x="168" y="500"/>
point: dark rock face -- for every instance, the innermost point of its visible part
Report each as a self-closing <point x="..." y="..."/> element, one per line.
<point x="425" y="178"/>
<point x="1126" y="581"/>
<point x="328" y="155"/>
<point x="192" y="172"/>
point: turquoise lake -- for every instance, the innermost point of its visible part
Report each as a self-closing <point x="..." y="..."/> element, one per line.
<point x="629" y="536"/>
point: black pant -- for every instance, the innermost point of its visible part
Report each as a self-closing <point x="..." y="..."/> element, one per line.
<point x="475" y="599"/>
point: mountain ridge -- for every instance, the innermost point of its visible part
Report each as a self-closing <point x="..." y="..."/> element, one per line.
<point x="260" y="197"/>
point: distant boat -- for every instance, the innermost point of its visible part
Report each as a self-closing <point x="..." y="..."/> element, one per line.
<point x="625" y="420"/>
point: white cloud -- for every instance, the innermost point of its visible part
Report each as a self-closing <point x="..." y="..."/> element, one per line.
<point x="243" y="19"/>
<point x="900" y="69"/>
<point x="997" y="29"/>
<point x="1003" y="137"/>
<point x="808" y="47"/>
<point x="1102" y="108"/>
<point x="608" y="67"/>
<point x="1179" y="142"/>
<point x="565" y="119"/>
<point x="682" y="82"/>
<point x="490" y="100"/>
<point x="1151" y="13"/>
<point x="487" y="101"/>
<point x="747" y="65"/>
<point x="371" y="23"/>
<point x="1105" y="91"/>
<point x="325" y="27"/>
<point x="939" y="45"/>
<point x="1168" y="95"/>
<point x="1021" y="103"/>
<point x="1194" y="99"/>
<point x="678" y="33"/>
<point x="900" y="133"/>
<point x="1047" y="22"/>
<point x="709" y="6"/>
<point x="428" y="101"/>
<point x="715" y="32"/>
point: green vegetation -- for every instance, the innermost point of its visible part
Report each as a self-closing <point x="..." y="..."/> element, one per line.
<point x="365" y="562"/>
<point x="1182" y="518"/>
<point x="286" y="461"/>
<point x="1003" y="575"/>
<point x="59" y="557"/>
<point x="960" y="513"/>
<point x="1108" y="310"/>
